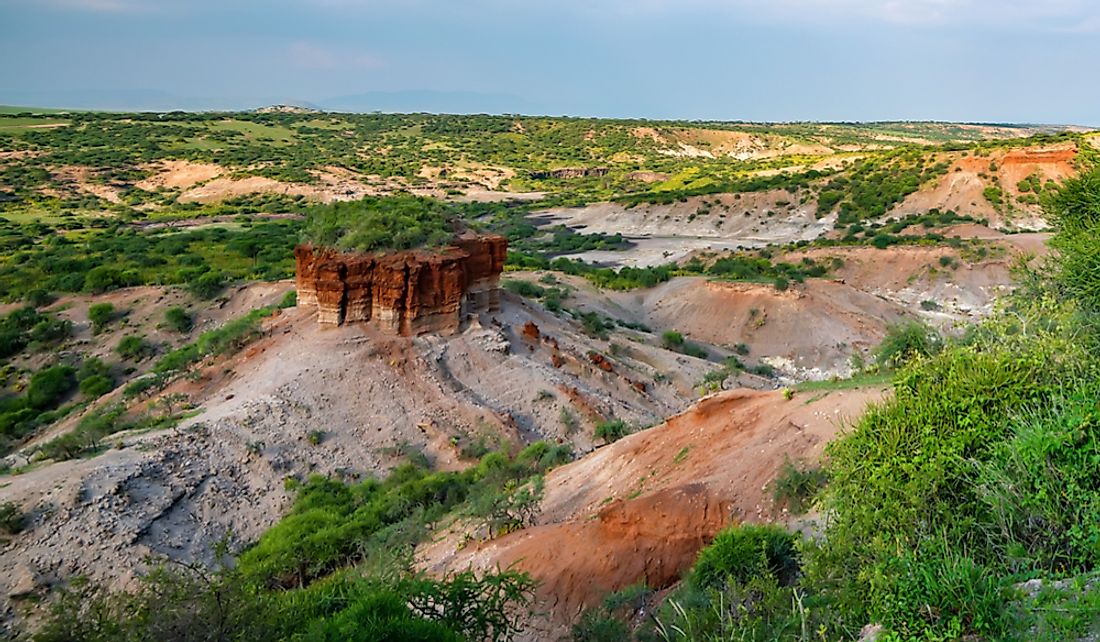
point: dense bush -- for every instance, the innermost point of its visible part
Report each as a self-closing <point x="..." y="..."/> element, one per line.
<point x="371" y="224"/>
<point x="612" y="430"/>
<point x="178" y="319"/>
<point x="49" y="386"/>
<point x="743" y="553"/>
<point x="100" y="314"/>
<point x="135" y="348"/>
<point x="188" y="604"/>
<point x="795" y="487"/>
<point x="27" y="328"/>
<point x="11" y="518"/>
<point x="106" y="259"/>
<point x="1075" y="209"/>
<point x="905" y="342"/>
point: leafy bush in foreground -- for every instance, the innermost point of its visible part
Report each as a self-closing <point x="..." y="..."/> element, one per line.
<point x="982" y="471"/>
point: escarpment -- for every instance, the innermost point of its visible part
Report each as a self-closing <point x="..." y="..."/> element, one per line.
<point x="408" y="293"/>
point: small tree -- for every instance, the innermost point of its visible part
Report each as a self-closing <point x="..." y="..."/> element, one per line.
<point x="100" y="314"/>
<point x="49" y="386"/>
<point x="135" y="348"/>
<point x="178" y="319"/>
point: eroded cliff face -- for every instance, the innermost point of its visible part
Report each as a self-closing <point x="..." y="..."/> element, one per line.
<point x="408" y="293"/>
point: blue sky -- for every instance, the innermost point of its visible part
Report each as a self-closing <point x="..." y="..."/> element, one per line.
<point x="973" y="60"/>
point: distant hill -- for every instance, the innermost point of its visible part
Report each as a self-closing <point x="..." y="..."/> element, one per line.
<point x="129" y="100"/>
<point x="442" y="102"/>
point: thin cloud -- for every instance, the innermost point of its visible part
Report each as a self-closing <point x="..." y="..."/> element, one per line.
<point x="1049" y="15"/>
<point x="308" y="55"/>
<point x="95" y="5"/>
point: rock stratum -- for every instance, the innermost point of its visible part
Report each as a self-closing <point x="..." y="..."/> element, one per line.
<point x="408" y="293"/>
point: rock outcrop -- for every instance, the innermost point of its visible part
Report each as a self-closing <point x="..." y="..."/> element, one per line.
<point x="408" y="293"/>
<point x="569" y="172"/>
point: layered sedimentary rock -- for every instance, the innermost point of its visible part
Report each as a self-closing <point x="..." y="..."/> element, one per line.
<point x="409" y="293"/>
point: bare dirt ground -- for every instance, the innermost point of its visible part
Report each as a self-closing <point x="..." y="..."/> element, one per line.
<point x="177" y="174"/>
<point x="641" y="509"/>
<point x="914" y="277"/>
<point x="667" y="233"/>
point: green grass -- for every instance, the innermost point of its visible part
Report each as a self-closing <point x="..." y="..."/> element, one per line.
<point x="10" y="123"/>
<point x="255" y="131"/>
<point x="866" y="380"/>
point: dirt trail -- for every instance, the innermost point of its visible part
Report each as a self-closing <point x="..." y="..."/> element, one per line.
<point x="641" y="508"/>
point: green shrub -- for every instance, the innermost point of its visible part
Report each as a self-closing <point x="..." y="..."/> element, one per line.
<point x="94" y="378"/>
<point x="595" y="325"/>
<point x="598" y="626"/>
<point x="742" y="553"/>
<point x="39" y="298"/>
<point x="49" y="386"/>
<point x="796" y="486"/>
<point x="1075" y="209"/>
<point x="135" y="348"/>
<point x="944" y="594"/>
<point x="694" y="350"/>
<point x="86" y="437"/>
<point x="100" y="314"/>
<point x="995" y="195"/>
<point x="905" y="342"/>
<point x="96" y="386"/>
<point x="1041" y="489"/>
<point x="905" y="478"/>
<point x="143" y="384"/>
<point x="178" y="319"/>
<point x="568" y="420"/>
<point x="374" y="224"/>
<point x="612" y="430"/>
<point x="608" y="621"/>
<point x="524" y="288"/>
<point x="12" y="518"/>
<point x="50" y="330"/>
<point x="207" y="285"/>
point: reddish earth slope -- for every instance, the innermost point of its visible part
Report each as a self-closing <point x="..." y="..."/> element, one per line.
<point x="642" y="508"/>
<point x="961" y="189"/>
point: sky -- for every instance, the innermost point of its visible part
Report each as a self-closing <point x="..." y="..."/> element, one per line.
<point x="1033" y="61"/>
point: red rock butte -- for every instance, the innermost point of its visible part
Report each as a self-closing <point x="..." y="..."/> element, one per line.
<point x="410" y="292"/>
